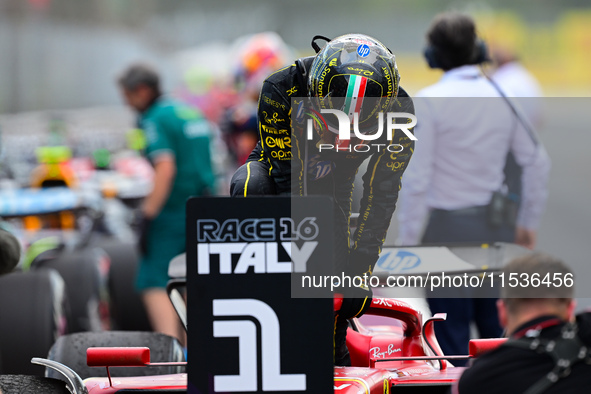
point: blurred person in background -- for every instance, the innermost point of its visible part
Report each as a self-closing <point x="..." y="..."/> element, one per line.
<point x="511" y="74"/>
<point x="516" y="82"/>
<point x="548" y="348"/>
<point x="257" y="57"/>
<point x="178" y="146"/>
<point x="455" y="180"/>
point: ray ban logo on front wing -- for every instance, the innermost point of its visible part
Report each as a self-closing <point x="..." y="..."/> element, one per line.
<point x="344" y="131"/>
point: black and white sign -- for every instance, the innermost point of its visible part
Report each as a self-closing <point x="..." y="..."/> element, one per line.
<point x="246" y="333"/>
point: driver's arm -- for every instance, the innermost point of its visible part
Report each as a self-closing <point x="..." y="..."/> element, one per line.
<point x="381" y="185"/>
<point x="274" y="126"/>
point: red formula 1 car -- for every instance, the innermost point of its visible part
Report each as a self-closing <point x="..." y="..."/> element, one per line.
<point x="392" y="349"/>
<point x="398" y="354"/>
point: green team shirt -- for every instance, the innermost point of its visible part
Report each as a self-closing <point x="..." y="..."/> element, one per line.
<point x="175" y="129"/>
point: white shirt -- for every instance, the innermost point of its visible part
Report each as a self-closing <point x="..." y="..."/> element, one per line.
<point x="464" y="131"/>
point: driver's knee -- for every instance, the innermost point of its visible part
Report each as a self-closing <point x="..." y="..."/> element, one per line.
<point x="252" y="179"/>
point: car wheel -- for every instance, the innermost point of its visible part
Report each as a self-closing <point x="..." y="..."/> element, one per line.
<point x="81" y="273"/>
<point x="128" y="312"/>
<point x="70" y="350"/>
<point x="28" y="384"/>
<point x="31" y="318"/>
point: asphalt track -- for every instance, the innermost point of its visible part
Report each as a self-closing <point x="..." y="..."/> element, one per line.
<point x="565" y="230"/>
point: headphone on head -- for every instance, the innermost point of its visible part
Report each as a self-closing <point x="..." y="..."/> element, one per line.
<point x="434" y="59"/>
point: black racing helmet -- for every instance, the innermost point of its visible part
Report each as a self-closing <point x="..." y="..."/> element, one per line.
<point x="349" y="69"/>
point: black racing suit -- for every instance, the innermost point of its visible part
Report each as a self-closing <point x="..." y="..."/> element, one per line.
<point x="280" y="152"/>
<point x="277" y="166"/>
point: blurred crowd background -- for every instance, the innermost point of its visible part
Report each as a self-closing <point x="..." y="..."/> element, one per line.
<point x="63" y="54"/>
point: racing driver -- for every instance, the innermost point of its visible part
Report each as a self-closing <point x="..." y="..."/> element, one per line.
<point x="287" y="159"/>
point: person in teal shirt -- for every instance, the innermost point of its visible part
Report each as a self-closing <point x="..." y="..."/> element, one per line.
<point x="178" y="141"/>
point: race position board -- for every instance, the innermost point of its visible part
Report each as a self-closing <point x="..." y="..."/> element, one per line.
<point x="246" y="333"/>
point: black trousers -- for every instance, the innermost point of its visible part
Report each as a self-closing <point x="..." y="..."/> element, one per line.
<point x="252" y="179"/>
<point x="468" y="225"/>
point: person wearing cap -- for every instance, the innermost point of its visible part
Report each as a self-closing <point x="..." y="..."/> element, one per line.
<point x="178" y="146"/>
<point x="548" y="346"/>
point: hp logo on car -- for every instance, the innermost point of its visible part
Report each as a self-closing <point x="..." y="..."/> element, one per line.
<point x="401" y="261"/>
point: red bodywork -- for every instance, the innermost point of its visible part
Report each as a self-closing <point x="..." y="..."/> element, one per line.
<point x="157" y="382"/>
<point x="381" y="355"/>
<point x="117" y="356"/>
<point x="397" y="334"/>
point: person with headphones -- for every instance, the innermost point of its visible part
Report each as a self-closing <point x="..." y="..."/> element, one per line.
<point x="353" y="68"/>
<point x="455" y="183"/>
